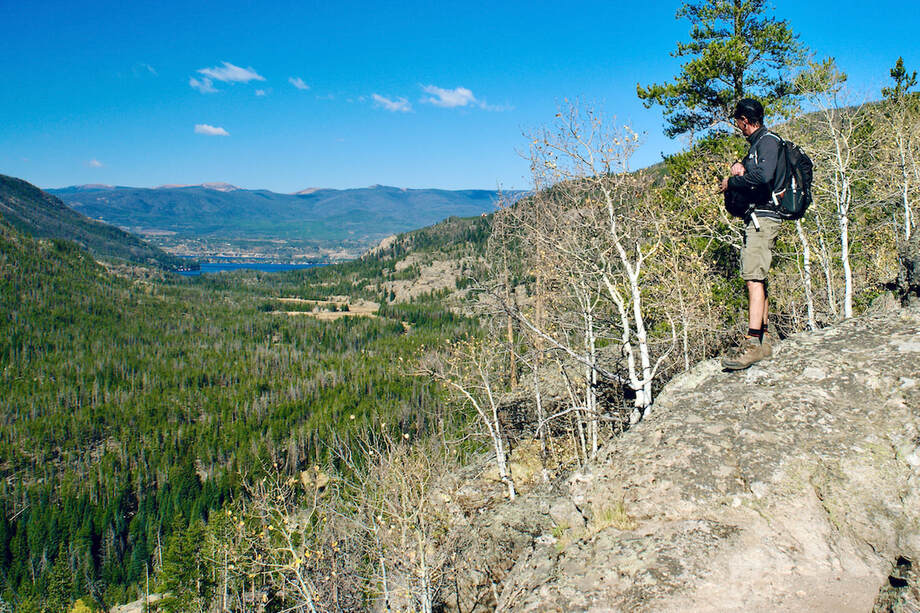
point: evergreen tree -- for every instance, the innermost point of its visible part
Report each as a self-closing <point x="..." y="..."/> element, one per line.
<point x="183" y="573"/>
<point x="735" y="51"/>
<point x="60" y="583"/>
<point x="903" y="81"/>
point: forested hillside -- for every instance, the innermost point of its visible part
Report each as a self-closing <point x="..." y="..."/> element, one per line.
<point x="41" y="215"/>
<point x="132" y="410"/>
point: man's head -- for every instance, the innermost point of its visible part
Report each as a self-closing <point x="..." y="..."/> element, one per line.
<point x="748" y="115"/>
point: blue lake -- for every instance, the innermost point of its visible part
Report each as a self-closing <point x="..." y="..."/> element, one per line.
<point x="212" y="267"/>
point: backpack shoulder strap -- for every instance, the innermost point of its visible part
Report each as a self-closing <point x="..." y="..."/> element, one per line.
<point x="765" y="133"/>
<point x="776" y="136"/>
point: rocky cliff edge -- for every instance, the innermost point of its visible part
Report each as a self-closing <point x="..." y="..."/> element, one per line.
<point x="791" y="486"/>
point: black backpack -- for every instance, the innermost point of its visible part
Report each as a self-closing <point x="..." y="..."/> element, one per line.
<point x="793" y="199"/>
<point x="738" y="203"/>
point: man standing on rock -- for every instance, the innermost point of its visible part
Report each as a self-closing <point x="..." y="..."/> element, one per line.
<point x="754" y="179"/>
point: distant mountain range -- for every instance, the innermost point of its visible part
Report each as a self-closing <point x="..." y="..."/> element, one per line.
<point x="350" y="219"/>
<point x="34" y="212"/>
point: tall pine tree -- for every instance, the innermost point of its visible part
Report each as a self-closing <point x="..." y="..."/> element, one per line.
<point x="735" y="51"/>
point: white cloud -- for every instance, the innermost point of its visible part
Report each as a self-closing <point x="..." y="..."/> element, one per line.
<point x="298" y="83"/>
<point x="228" y="73"/>
<point x="498" y="108"/>
<point x="260" y="92"/>
<point x="449" y="98"/>
<point x="203" y="128"/>
<point x="458" y="97"/>
<point x="141" y="69"/>
<point x="94" y="163"/>
<point x="205" y="85"/>
<point x="400" y="105"/>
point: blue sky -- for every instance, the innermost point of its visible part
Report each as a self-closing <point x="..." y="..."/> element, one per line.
<point x="286" y="96"/>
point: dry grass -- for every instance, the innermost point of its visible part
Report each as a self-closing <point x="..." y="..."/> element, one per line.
<point x="613" y="516"/>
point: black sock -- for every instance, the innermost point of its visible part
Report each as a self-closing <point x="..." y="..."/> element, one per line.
<point x="755" y="333"/>
<point x="762" y="332"/>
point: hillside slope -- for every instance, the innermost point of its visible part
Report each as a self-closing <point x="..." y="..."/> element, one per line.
<point x="34" y="212"/>
<point x="792" y="486"/>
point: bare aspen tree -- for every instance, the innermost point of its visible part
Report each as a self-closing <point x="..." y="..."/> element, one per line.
<point x="501" y="256"/>
<point x="900" y="115"/>
<point x="701" y="248"/>
<point x="839" y="146"/>
<point x="471" y="372"/>
<point x="566" y="311"/>
<point x="602" y="226"/>
<point x="393" y="503"/>
<point x="288" y="544"/>
<point x="513" y="231"/>
<point x="575" y="311"/>
<point x="683" y="283"/>
<point x="806" y="275"/>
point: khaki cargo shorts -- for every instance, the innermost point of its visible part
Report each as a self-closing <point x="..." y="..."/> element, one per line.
<point x="757" y="252"/>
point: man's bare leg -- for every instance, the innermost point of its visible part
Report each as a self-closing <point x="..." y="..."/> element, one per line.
<point x="757" y="305"/>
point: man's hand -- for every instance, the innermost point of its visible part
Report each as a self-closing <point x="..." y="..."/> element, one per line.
<point x="737" y="169"/>
<point x="724" y="185"/>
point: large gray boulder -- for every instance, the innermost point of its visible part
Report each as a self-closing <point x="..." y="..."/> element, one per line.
<point x="791" y="486"/>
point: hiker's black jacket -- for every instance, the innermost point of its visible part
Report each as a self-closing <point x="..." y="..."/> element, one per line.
<point x="762" y="172"/>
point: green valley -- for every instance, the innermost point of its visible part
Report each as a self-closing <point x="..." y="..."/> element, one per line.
<point x="134" y="405"/>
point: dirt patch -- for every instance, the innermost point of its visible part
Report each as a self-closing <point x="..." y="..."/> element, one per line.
<point x="329" y="310"/>
<point x="324" y="315"/>
<point x="297" y="300"/>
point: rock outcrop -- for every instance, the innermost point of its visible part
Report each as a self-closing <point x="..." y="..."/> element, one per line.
<point x="791" y="486"/>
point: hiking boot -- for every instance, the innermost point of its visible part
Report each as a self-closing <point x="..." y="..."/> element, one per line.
<point x="767" y="346"/>
<point x="750" y="351"/>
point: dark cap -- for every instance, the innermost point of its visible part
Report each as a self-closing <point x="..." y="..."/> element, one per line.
<point x="750" y="109"/>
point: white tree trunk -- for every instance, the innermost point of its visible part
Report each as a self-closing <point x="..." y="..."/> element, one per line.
<point x="591" y="377"/>
<point x="806" y="276"/>
<point x="538" y="397"/>
<point x="844" y="221"/>
<point x="903" y="145"/>
<point x="492" y="424"/>
<point x="827" y="268"/>
<point x="424" y="573"/>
